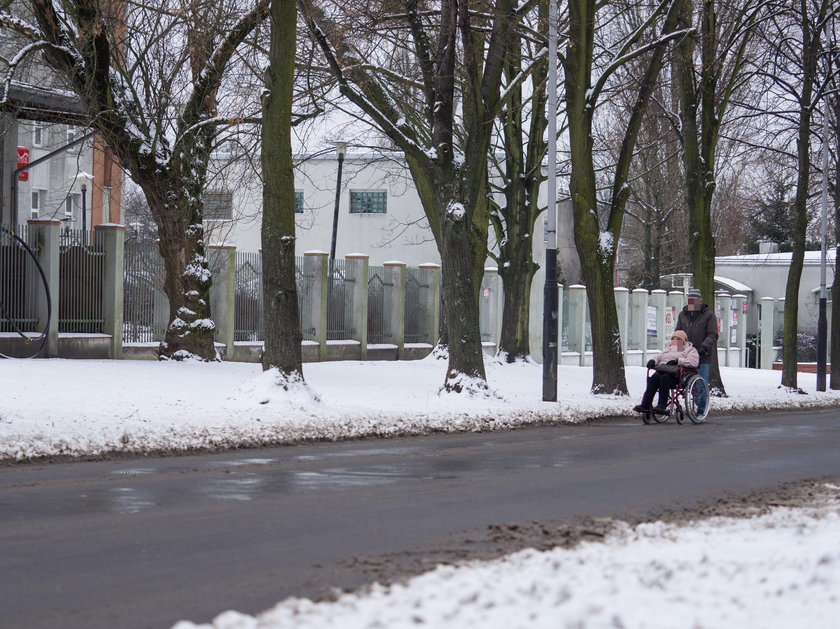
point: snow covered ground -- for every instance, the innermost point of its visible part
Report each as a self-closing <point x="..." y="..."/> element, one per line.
<point x="78" y="407"/>
<point x="779" y="570"/>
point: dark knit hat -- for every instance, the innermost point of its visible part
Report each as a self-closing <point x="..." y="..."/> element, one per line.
<point x="693" y="293"/>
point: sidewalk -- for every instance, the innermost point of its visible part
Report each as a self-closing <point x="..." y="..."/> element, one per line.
<point x="93" y="407"/>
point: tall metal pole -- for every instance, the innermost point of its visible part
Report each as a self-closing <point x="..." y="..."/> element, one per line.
<point x="550" y="318"/>
<point x="822" y="320"/>
<point x="340" y="148"/>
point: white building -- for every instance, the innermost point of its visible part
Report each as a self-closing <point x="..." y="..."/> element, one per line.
<point x="379" y="211"/>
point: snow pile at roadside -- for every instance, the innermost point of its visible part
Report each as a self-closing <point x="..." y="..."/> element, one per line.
<point x="778" y="570"/>
<point x="55" y="407"/>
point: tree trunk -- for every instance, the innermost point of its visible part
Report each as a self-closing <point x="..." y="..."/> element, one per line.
<point x="515" y="340"/>
<point x="280" y="297"/>
<point x="187" y="281"/>
<point x="699" y="143"/>
<point x="790" y="348"/>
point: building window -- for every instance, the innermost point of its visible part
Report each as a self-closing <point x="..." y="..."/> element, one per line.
<point x="218" y="205"/>
<point x="368" y="202"/>
<point x="71" y="136"/>
<point x="70" y="205"/>
<point x="298" y="201"/>
<point x="36" y="204"/>
<point x="37" y="134"/>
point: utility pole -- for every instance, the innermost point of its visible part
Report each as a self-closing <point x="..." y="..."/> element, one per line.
<point x="550" y="318"/>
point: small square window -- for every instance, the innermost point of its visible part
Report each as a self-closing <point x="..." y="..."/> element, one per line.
<point x="37" y="134"/>
<point x="36" y="203"/>
<point x="298" y="201"/>
<point x="368" y="202"/>
<point x="218" y="205"/>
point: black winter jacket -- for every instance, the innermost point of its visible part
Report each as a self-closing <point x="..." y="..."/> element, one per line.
<point x="701" y="328"/>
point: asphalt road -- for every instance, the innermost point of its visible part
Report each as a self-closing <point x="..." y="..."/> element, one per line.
<point x="146" y="542"/>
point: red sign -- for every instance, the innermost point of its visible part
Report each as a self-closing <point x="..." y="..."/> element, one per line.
<point x="23" y="160"/>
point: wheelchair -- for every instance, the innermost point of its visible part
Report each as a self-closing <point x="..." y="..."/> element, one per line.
<point x="689" y="398"/>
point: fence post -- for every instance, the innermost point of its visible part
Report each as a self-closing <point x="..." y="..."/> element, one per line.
<point x="638" y="304"/>
<point x="741" y="328"/>
<point x="676" y="301"/>
<point x="622" y="305"/>
<point x="768" y="311"/>
<point x="315" y="263"/>
<point x="361" y="264"/>
<point x="434" y="307"/>
<point x="397" y="313"/>
<point x="223" y="294"/>
<point x="45" y="236"/>
<point x="658" y="299"/>
<point x="577" y="320"/>
<point x="723" y="301"/>
<point x="112" y="238"/>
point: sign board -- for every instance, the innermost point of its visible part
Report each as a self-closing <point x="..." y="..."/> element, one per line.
<point x="734" y="321"/>
<point x="651" y="321"/>
<point x="733" y="336"/>
<point x="486" y="292"/>
<point x="23" y="160"/>
<point x="670" y="321"/>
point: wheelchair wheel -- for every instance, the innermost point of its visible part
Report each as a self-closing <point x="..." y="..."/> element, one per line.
<point x="697" y="399"/>
<point x="660" y="419"/>
<point x="647" y="417"/>
<point x="679" y="416"/>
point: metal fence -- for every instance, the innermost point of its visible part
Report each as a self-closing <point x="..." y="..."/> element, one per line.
<point x="81" y="268"/>
<point x="248" y="296"/>
<point x="19" y="283"/>
<point x="418" y="287"/>
<point x="143" y="294"/>
<point x="340" y="300"/>
<point x="381" y="289"/>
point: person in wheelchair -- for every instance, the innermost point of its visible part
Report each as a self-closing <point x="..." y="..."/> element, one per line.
<point x="680" y="353"/>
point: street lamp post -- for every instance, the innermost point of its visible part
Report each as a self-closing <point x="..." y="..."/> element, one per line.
<point x="340" y="149"/>
<point x="822" y="318"/>
<point x="549" y="393"/>
<point x="84" y="210"/>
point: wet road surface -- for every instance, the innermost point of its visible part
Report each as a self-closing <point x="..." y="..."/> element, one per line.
<point x="146" y="542"/>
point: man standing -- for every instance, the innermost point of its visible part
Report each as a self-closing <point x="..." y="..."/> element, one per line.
<point x="700" y="325"/>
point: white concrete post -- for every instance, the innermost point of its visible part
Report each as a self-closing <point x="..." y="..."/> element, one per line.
<point x="766" y="352"/>
<point x="396" y="314"/>
<point x="434" y="296"/>
<point x="658" y="299"/>
<point x="222" y="259"/>
<point x="577" y="320"/>
<point x="315" y="264"/>
<point x="723" y="302"/>
<point x="739" y="302"/>
<point x="490" y="300"/>
<point x="44" y="234"/>
<point x="360" y="264"/>
<point x="638" y="328"/>
<point x="112" y="238"/>
<point x="622" y="306"/>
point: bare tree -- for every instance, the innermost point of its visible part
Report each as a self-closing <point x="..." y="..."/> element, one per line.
<point x="440" y="114"/>
<point x="794" y="38"/>
<point x="149" y="77"/>
<point x="597" y="244"/>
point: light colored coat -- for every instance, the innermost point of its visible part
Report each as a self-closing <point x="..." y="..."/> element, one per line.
<point x="687" y="357"/>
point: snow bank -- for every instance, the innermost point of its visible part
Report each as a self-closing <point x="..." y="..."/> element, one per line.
<point x="79" y="408"/>
<point x="780" y="570"/>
